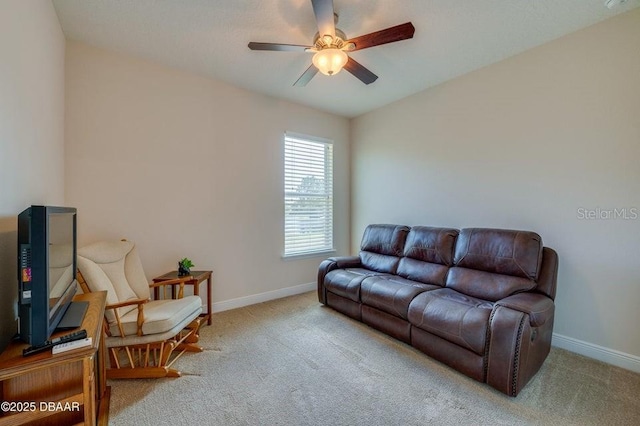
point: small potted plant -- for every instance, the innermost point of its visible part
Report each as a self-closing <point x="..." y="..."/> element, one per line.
<point x="184" y="267"/>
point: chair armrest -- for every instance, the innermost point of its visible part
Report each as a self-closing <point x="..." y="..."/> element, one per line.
<point x="127" y="303"/>
<point x="538" y="306"/>
<point x="174" y="281"/>
<point x="140" y="320"/>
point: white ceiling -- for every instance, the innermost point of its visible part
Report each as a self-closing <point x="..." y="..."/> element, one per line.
<point x="210" y="37"/>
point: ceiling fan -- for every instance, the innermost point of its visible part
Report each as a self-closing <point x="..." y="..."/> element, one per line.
<point x="330" y="45"/>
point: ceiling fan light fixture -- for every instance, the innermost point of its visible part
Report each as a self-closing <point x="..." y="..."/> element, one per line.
<point x="330" y="61"/>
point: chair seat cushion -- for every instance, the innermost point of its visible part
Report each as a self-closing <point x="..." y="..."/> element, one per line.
<point x="453" y="316"/>
<point x="391" y="294"/>
<point x="346" y="282"/>
<point x="159" y="316"/>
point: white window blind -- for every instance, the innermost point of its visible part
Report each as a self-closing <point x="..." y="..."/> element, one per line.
<point x="308" y="195"/>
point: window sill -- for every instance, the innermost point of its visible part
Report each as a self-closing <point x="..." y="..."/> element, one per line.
<point x="301" y="256"/>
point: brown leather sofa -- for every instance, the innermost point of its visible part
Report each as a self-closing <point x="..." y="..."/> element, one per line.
<point x="479" y="300"/>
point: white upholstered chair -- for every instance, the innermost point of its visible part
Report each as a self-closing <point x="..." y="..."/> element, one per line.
<point x="143" y="337"/>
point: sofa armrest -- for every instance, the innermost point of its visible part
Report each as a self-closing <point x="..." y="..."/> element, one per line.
<point x="539" y="307"/>
<point x="518" y="346"/>
<point x="329" y="265"/>
<point x="548" y="277"/>
<point x="346" y="261"/>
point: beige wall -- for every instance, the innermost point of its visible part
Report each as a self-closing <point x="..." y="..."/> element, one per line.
<point x="189" y="166"/>
<point x="31" y="129"/>
<point x="524" y="144"/>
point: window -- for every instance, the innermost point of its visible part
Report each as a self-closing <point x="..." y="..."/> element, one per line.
<point x="308" y="195"/>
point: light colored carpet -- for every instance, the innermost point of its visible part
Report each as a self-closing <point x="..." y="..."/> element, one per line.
<point x="293" y="361"/>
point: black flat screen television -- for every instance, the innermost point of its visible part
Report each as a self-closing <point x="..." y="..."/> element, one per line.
<point x="47" y="250"/>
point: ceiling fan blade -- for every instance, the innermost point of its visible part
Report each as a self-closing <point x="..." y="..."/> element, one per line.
<point x="363" y="74"/>
<point x="323" y="9"/>
<point x="306" y="76"/>
<point x="278" y="47"/>
<point x="389" y="35"/>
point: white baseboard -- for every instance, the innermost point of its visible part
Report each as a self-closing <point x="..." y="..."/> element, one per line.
<point x="239" y="302"/>
<point x="610" y="356"/>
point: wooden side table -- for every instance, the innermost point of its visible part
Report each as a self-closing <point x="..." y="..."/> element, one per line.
<point x="196" y="278"/>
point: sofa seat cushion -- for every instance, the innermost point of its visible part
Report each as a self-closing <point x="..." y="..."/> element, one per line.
<point x="346" y="282"/>
<point x="391" y="294"/>
<point x="453" y="316"/>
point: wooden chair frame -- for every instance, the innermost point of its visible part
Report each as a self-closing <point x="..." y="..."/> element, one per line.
<point x="151" y="359"/>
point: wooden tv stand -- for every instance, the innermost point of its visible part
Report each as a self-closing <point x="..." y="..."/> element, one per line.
<point x="61" y="389"/>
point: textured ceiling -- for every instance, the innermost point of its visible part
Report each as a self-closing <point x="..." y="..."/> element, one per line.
<point x="210" y="37"/>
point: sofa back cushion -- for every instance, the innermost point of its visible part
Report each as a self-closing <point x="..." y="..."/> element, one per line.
<point x="501" y="251"/>
<point x="428" y="254"/>
<point x="494" y="263"/>
<point x="382" y="246"/>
